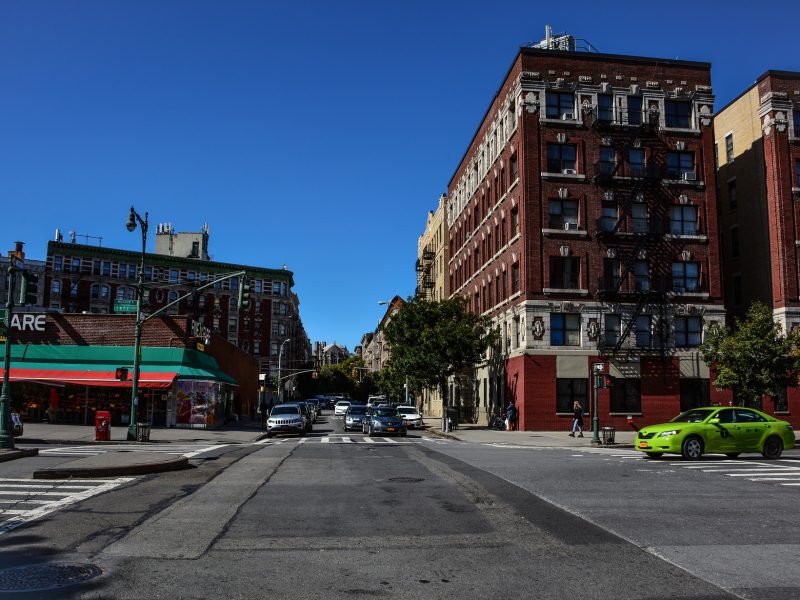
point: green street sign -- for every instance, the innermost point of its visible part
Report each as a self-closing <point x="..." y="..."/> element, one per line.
<point x="125" y="306"/>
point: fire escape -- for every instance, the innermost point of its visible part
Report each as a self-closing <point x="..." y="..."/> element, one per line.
<point x="425" y="277"/>
<point x="633" y="228"/>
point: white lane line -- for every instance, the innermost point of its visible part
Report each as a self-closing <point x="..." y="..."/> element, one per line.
<point x="33" y="493"/>
<point x="37" y="513"/>
<point x="262" y="442"/>
<point x="3" y="480"/>
<point x="302" y="440"/>
<point x="203" y="450"/>
<point x="790" y="484"/>
<point x="776" y="472"/>
<point x="12" y="511"/>
<point x="325" y="440"/>
<point x="45" y="486"/>
<point x="774" y="479"/>
<point x="18" y="501"/>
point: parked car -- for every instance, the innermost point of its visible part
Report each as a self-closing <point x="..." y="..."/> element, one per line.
<point x="354" y="417"/>
<point x="286" y="418"/>
<point x="384" y="419"/>
<point x="305" y="407"/>
<point x="341" y="408"/>
<point x="372" y="400"/>
<point x="722" y="430"/>
<point x="17" y="427"/>
<point x="410" y="416"/>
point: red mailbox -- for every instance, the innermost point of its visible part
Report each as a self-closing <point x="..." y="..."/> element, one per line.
<point x="102" y="426"/>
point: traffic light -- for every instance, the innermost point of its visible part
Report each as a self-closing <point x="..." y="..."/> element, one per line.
<point x="29" y="288"/>
<point x="244" y="296"/>
<point x="121" y="373"/>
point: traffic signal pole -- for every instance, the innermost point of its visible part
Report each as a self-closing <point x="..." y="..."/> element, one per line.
<point x="6" y="435"/>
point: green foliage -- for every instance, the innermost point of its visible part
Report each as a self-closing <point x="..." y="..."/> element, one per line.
<point x="430" y="341"/>
<point x="755" y="360"/>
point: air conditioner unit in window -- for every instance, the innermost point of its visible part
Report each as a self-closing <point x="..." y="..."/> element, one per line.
<point x="689" y="176"/>
<point x="567" y="117"/>
<point x="570" y="226"/>
<point x="568" y="171"/>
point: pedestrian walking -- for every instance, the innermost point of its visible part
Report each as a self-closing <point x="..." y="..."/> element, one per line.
<point x="511" y="416"/>
<point x="577" y="419"/>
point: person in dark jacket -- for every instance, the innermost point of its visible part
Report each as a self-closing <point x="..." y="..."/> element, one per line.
<point x="511" y="417"/>
<point x="577" y="419"/>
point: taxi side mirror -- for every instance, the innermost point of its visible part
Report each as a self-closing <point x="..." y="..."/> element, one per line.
<point x="714" y="421"/>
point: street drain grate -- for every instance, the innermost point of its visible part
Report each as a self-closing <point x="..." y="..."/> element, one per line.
<point x="46" y="576"/>
<point x="406" y="479"/>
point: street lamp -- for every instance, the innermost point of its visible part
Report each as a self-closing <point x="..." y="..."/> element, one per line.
<point x="280" y="353"/>
<point x="133" y="219"/>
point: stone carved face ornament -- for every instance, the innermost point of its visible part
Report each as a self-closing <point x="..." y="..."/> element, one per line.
<point x="779" y="122"/>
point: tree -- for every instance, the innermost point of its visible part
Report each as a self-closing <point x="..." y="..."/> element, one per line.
<point x="756" y="359"/>
<point x="430" y="341"/>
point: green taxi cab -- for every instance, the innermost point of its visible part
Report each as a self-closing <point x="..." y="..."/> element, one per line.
<point x="717" y="430"/>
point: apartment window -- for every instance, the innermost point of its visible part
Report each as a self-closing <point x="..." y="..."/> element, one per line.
<point x="515" y="220"/>
<point x="201" y="301"/>
<point x="513" y="167"/>
<point x="95" y="267"/>
<point x="605" y="108"/>
<point x="257" y="286"/>
<point x="735" y="242"/>
<point x="611" y="273"/>
<point x="174" y="275"/>
<point x="729" y="147"/>
<point x="58" y="263"/>
<point x="677" y="113"/>
<point x="76" y="265"/>
<point x="639" y="218"/>
<point x="634" y="110"/>
<point x="190" y="275"/>
<point x="515" y="278"/>
<point x="195" y="250"/>
<point x="560" y="105"/>
<point x="502" y="180"/>
<point x="172" y="296"/>
<point x="679" y="164"/>
<point x="608" y="216"/>
<point x="737" y="290"/>
<point x="732" y="201"/>
<point x="688" y="331"/>
<point x="644" y="337"/>
<point x="683" y="219"/>
<point x="797" y="173"/>
<point x="565" y="329"/>
<point x="565" y="272"/>
<point x="503" y="233"/>
<point x="780" y="403"/>
<point x="716" y="156"/>
<point x="148" y="273"/>
<point x="274" y="349"/>
<point x="497" y="245"/>
<point x="641" y="275"/>
<point x="608" y="161"/>
<point x="256" y="347"/>
<point x="694" y="393"/>
<point x="73" y="290"/>
<point x="611" y="330"/>
<point x="105" y="292"/>
<point x="685" y="276"/>
<point x="276" y="288"/>
<point x="477" y="258"/>
<point x="107" y="268"/>
<point x="95" y="291"/>
<point x="626" y="396"/>
<point x="55" y="287"/>
<point x="122" y="270"/>
<point x="517" y="333"/>
<point x="234" y="283"/>
<point x="561" y="157"/>
<point x="563" y="214"/>
<point x="636" y="162"/>
<point x="570" y="390"/>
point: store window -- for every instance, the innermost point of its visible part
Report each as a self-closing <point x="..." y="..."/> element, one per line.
<point x="568" y="391"/>
<point x="626" y="396"/>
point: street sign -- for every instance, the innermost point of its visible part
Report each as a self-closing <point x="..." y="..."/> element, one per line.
<point x="125" y="306"/>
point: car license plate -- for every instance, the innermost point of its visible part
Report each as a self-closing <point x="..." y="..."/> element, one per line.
<point x="390" y="429"/>
<point x="643" y="445"/>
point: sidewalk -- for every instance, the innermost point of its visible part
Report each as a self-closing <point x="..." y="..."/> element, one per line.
<point x="545" y="439"/>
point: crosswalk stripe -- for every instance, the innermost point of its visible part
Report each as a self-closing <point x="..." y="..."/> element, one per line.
<point x="204" y="450"/>
<point x="345" y="439"/>
<point x="774" y="479"/>
<point x="18" y="501"/>
<point x="369" y="440"/>
<point x="391" y="440"/>
<point x="325" y="440"/>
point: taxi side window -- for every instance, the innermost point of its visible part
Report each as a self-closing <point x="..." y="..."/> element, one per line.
<point x="725" y="416"/>
<point x="747" y="416"/>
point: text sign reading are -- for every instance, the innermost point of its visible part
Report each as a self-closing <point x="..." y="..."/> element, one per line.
<point x="28" y="322"/>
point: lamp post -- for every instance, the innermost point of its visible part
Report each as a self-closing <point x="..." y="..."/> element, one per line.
<point x="280" y="353"/>
<point x="6" y="435"/>
<point x="133" y="219"/>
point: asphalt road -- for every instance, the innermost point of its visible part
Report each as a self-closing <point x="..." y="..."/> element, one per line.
<point x="347" y="518"/>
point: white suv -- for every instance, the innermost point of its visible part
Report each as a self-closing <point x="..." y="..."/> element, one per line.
<point x="341" y="408"/>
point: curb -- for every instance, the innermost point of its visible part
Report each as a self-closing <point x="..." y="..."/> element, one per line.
<point x="18" y="453"/>
<point x="177" y="464"/>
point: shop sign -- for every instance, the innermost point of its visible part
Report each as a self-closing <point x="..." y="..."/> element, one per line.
<point x="28" y="322"/>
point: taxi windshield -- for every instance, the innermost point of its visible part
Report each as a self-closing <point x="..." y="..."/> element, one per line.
<point x="697" y="415"/>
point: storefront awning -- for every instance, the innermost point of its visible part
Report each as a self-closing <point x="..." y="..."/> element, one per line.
<point x="162" y="380"/>
<point x="97" y="365"/>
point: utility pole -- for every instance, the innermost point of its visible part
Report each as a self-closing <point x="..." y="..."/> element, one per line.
<point x="6" y="434"/>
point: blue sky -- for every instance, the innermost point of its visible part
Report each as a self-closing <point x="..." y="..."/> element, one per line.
<point x="311" y="134"/>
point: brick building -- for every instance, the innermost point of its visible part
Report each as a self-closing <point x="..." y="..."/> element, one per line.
<point x="758" y="153"/>
<point x="85" y="278"/>
<point x="582" y="218"/>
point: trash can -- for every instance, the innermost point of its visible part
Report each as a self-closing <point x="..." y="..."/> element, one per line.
<point x="608" y="434"/>
<point x="102" y="426"/>
<point x="142" y="432"/>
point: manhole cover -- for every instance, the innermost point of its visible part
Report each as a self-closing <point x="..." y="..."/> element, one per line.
<point x="46" y="576"/>
<point x="406" y="479"/>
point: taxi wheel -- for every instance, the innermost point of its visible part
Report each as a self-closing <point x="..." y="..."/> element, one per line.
<point x="773" y="448"/>
<point x="692" y="448"/>
<point x="652" y="455"/>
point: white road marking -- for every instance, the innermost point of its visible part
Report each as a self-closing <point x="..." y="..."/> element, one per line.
<point x="204" y="450"/>
<point x="325" y="440"/>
